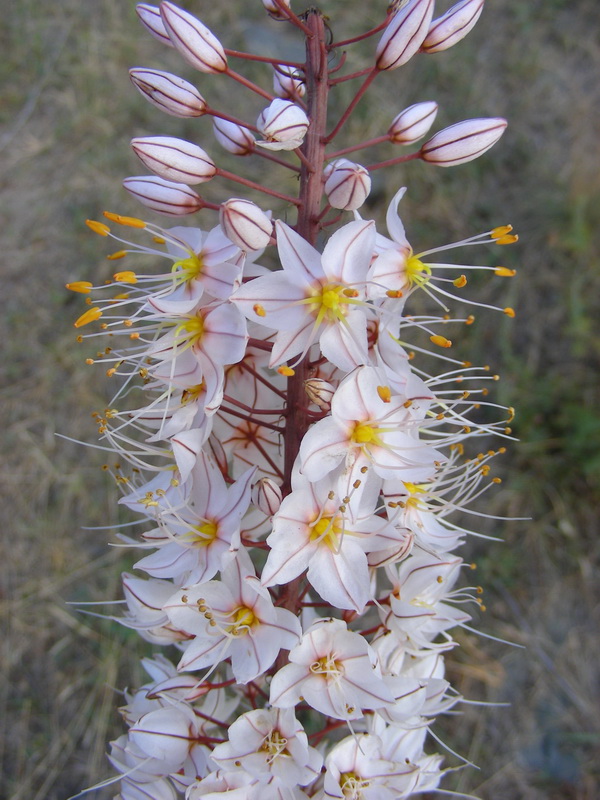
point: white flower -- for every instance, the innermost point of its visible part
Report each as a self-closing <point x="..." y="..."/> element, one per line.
<point x="283" y="124"/>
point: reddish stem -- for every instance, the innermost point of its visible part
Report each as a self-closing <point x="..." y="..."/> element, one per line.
<point x="390" y="162"/>
<point x="356" y="99"/>
<point x="361" y="36"/>
<point x="251" y="185"/>
<point x="249" y="84"/>
<point x="361" y="146"/>
<point x="266" y="59"/>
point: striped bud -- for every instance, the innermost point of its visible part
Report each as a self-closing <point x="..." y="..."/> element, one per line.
<point x="171" y="94"/>
<point x="193" y="40"/>
<point x="266" y="496"/>
<point x="151" y="20"/>
<point x="413" y="123"/>
<point x="452" y="26"/>
<point x="463" y="141"/>
<point x="288" y="82"/>
<point x="347" y="185"/>
<point x="273" y="9"/>
<point x="175" y="199"/>
<point x="232" y="137"/>
<point x="404" y="34"/>
<point x="319" y="392"/>
<point x="174" y="159"/>
<point x="245" y="224"/>
<point x="283" y="124"/>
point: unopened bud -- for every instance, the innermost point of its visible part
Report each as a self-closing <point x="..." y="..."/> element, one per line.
<point x="319" y="392"/>
<point x="404" y="34"/>
<point x="151" y="20"/>
<point x="463" y="141"/>
<point x="174" y="159"/>
<point x="171" y="94"/>
<point x="288" y="82"/>
<point x="175" y="199"/>
<point x="413" y="123"/>
<point x="234" y="138"/>
<point x="274" y="10"/>
<point x="283" y="124"/>
<point x="245" y="224"/>
<point x="163" y="734"/>
<point x="193" y="40"/>
<point x="452" y="26"/>
<point x="266" y="496"/>
<point x="347" y="185"/>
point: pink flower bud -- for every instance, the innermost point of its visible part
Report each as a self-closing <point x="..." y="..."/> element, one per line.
<point x="319" y="392"/>
<point x="463" y="141"/>
<point x="283" y="124"/>
<point x="151" y="20"/>
<point x="234" y="138"/>
<point x="347" y="185"/>
<point x="193" y="40"/>
<point x="245" y="224"/>
<point x="273" y="9"/>
<point x="174" y="159"/>
<point x="171" y="94"/>
<point x="452" y="26"/>
<point x="413" y="123"/>
<point x="266" y="496"/>
<point x="175" y="199"/>
<point x="288" y="83"/>
<point x="404" y="34"/>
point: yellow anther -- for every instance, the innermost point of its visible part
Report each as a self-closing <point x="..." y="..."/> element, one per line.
<point x="505" y="272"/>
<point x="128" y="323"/>
<point x="385" y="393"/>
<point x="116" y="256"/>
<point x="89" y="361"/>
<point x="97" y="227"/>
<point x="485" y="469"/>
<point x="473" y="566"/>
<point x="126" y="276"/>
<point x="470" y="320"/>
<point x="134" y="335"/>
<point x="394" y="293"/>
<point x="502" y="230"/>
<point x="350" y="293"/>
<point x="510" y="239"/>
<point x="91" y="315"/>
<point x="88" y="301"/>
<point x="510" y="312"/>
<point x="130" y="222"/>
<point x="460" y="281"/>
<point x="407" y="403"/>
<point x="286" y="371"/>
<point x="121" y="296"/>
<point x="259" y="310"/>
<point x="439" y="579"/>
<point x="83" y="287"/>
<point x="110" y="372"/>
<point x="440" y="341"/>
<point x="496" y="480"/>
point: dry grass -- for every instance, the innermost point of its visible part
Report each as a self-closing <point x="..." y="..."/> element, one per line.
<point x="66" y="118"/>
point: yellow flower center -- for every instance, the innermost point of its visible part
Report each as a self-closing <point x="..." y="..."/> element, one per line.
<point x="243" y="620"/>
<point x="352" y="785"/>
<point x="327" y="531"/>
<point x="202" y="535"/>
<point x="328" y="667"/>
<point x="188" y="268"/>
<point x="275" y="745"/>
<point x="365" y="434"/>
<point x="417" y="272"/>
<point x="192" y="329"/>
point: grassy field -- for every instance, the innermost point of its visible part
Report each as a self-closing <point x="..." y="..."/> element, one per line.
<point x="67" y="112"/>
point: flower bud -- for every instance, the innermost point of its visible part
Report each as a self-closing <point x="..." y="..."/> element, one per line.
<point x="404" y="34"/>
<point x="347" y="185"/>
<point x="245" y="224"/>
<point x="319" y="392"/>
<point x="413" y="123"/>
<point x="452" y="26"/>
<point x="193" y="40"/>
<point x="266" y="496"/>
<point x="273" y="9"/>
<point x="233" y="137"/>
<point x="171" y="94"/>
<point x="463" y="141"/>
<point x="151" y="20"/>
<point x="283" y="124"/>
<point x="175" y="199"/>
<point x="288" y="82"/>
<point x="163" y="734"/>
<point x="174" y="159"/>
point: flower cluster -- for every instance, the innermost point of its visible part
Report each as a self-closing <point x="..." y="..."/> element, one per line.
<point x="294" y="459"/>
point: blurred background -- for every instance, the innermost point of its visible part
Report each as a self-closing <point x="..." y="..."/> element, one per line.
<point x="67" y="112"/>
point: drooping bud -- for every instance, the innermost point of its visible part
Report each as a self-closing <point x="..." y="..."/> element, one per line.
<point x="175" y="199"/>
<point x="266" y="496"/>
<point x="171" y="94"/>
<point x="273" y="9"/>
<point x="463" y="141"/>
<point x="174" y="159"/>
<point x="347" y="185"/>
<point x="319" y="392"/>
<point x="283" y="124"/>
<point x="413" y="123"/>
<point x="193" y="40"/>
<point x="404" y="34"/>
<point x="288" y="82"/>
<point x="451" y="27"/>
<point x="234" y="138"/>
<point x="245" y="224"/>
<point x="151" y="20"/>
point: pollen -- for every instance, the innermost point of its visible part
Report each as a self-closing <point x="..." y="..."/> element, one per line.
<point x="500" y="231"/>
<point x="511" y="238"/>
<point x="130" y="222"/>
<point x="91" y="315"/>
<point x="286" y="371"/>
<point x="510" y="312"/>
<point x="385" y="393"/>
<point x="505" y="272"/>
<point x="127" y="276"/>
<point x="116" y="256"/>
<point x="98" y="227"/>
<point x="82" y="287"/>
<point x="259" y="310"/>
<point x="460" y="281"/>
<point x="440" y="341"/>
